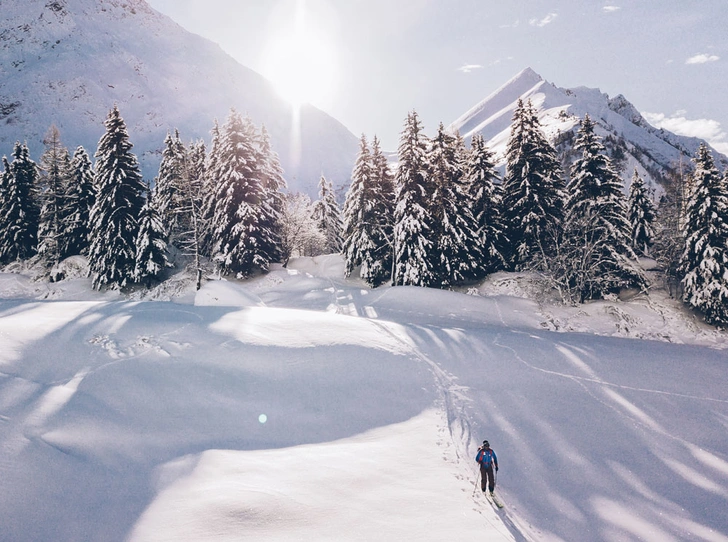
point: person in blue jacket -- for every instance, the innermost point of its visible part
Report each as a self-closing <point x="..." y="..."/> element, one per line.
<point x="488" y="461"/>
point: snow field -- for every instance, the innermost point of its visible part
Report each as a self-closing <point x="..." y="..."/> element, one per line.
<point x="382" y="484"/>
<point x="299" y="405"/>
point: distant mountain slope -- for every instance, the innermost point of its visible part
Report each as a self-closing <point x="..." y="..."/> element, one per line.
<point x="69" y="61"/>
<point x="628" y="136"/>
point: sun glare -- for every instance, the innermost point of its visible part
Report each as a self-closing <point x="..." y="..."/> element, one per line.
<point x="300" y="65"/>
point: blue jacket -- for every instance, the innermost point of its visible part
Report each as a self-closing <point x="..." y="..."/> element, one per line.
<point x="486" y="458"/>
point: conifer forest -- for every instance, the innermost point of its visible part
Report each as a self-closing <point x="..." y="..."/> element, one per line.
<point x="444" y="215"/>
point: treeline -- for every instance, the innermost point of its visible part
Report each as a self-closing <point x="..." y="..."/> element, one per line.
<point x="225" y="206"/>
<point x="444" y="217"/>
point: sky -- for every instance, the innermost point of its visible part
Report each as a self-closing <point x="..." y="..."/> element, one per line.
<point x="376" y="60"/>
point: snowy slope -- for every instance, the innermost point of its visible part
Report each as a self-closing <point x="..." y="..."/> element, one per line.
<point x="69" y="61"/>
<point x="646" y="147"/>
<point x="302" y="406"/>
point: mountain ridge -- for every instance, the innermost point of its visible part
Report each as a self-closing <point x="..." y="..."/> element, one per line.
<point x="654" y="152"/>
<point x="67" y="62"/>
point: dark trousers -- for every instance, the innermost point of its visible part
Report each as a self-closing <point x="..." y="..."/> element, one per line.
<point x="486" y="475"/>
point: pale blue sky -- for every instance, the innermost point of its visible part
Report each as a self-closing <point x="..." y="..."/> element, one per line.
<point x="443" y="56"/>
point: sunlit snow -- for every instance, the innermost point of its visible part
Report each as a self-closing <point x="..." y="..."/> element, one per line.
<point x="302" y="406"/>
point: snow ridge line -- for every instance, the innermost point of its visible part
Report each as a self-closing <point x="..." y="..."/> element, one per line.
<point x="604" y="382"/>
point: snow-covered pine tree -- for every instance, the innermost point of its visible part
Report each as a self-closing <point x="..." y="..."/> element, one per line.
<point x="196" y="164"/>
<point x="6" y="181"/>
<point x="327" y="215"/>
<point x="237" y="228"/>
<point x="151" y="244"/>
<point x="533" y="191"/>
<point x="273" y="203"/>
<point x="79" y="199"/>
<point x="19" y="213"/>
<point x="641" y="215"/>
<point x="457" y="254"/>
<point x="413" y="243"/>
<point x="115" y="214"/>
<point x="365" y="222"/>
<point x="357" y="245"/>
<point x="209" y="184"/>
<point x="55" y="175"/>
<point x="705" y="260"/>
<point x="596" y="227"/>
<point x="168" y="186"/>
<point x="383" y="215"/>
<point x="485" y="200"/>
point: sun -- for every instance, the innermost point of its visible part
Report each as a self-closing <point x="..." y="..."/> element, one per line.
<point x="300" y="64"/>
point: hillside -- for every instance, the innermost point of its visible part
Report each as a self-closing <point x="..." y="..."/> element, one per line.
<point x="631" y="140"/>
<point x="300" y="405"/>
<point x="69" y="61"/>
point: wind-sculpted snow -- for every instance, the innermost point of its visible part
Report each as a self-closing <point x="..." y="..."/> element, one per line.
<point x="99" y="395"/>
<point x="299" y="405"/>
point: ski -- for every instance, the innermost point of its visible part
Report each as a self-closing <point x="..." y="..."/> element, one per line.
<point x="494" y="500"/>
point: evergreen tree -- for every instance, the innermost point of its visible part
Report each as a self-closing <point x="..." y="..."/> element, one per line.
<point x="597" y="227"/>
<point x="209" y="185"/>
<point x="237" y="227"/>
<point x="413" y="243"/>
<point x="456" y="254"/>
<point x="485" y="200"/>
<point x="366" y="234"/>
<point x="384" y="193"/>
<point x="79" y="199"/>
<point x="705" y="260"/>
<point x="642" y="215"/>
<point x="358" y="246"/>
<point x="19" y="214"/>
<point x="6" y="182"/>
<point x="151" y="244"/>
<point x="273" y="204"/>
<point x="168" y="187"/>
<point x="327" y="215"/>
<point x="532" y="188"/>
<point x="115" y="214"/>
<point x="55" y="176"/>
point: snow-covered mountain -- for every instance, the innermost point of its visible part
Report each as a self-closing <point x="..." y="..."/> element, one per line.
<point x="627" y="135"/>
<point x="69" y="61"/>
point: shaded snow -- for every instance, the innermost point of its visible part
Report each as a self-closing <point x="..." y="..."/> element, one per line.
<point x="302" y="406"/>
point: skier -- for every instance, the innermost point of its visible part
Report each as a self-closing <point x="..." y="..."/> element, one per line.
<point x="488" y="460"/>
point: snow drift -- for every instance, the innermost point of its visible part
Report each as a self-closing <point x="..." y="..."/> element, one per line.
<point x="299" y="405"/>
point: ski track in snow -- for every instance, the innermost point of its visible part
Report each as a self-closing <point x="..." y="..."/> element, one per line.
<point x="453" y="398"/>
<point x="570" y="355"/>
<point x="469" y="347"/>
